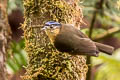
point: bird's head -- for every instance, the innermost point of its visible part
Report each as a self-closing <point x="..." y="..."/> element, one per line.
<point x="52" y="28"/>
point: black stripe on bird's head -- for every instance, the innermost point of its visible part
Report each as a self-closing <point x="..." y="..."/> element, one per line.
<point x="52" y="28"/>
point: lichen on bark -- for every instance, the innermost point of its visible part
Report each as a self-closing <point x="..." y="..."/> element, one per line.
<point x="44" y="61"/>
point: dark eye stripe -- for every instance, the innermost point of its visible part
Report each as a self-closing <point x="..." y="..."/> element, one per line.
<point x="56" y="24"/>
<point x="47" y="25"/>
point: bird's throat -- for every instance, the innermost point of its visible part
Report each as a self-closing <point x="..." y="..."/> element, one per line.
<point x="52" y="34"/>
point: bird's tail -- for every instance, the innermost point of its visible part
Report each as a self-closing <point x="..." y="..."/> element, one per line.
<point x="105" y="48"/>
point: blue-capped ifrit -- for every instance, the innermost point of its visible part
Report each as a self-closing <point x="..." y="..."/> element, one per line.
<point x="67" y="38"/>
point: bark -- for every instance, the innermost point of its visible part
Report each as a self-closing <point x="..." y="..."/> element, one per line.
<point x="4" y="38"/>
<point x="44" y="61"/>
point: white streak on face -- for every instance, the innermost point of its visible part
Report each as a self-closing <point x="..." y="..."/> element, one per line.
<point x="44" y="28"/>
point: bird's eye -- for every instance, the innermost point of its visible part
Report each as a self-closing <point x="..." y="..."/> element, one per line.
<point x="51" y="26"/>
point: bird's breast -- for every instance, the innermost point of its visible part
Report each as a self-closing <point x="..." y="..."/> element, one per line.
<point x="52" y="34"/>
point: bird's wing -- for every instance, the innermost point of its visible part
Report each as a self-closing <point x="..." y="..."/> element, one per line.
<point x="70" y="28"/>
<point x="73" y="43"/>
<point x="84" y="45"/>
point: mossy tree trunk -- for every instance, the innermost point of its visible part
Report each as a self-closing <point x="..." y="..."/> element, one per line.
<point x="44" y="61"/>
<point x="4" y="38"/>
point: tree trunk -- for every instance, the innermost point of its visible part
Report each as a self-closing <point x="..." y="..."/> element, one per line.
<point x="4" y="38"/>
<point x="44" y="61"/>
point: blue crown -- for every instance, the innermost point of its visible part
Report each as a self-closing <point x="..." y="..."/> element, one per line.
<point x="52" y="23"/>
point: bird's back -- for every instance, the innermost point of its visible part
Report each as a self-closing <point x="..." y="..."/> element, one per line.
<point x="67" y="28"/>
<point x="71" y="40"/>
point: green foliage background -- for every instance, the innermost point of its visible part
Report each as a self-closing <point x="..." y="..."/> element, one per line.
<point x="109" y="17"/>
<point x="17" y="56"/>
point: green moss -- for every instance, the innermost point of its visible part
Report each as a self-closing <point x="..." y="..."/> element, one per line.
<point x="44" y="61"/>
<point x="56" y="10"/>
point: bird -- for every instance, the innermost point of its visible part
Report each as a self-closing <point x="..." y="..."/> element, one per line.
<point x="69" y="39"/>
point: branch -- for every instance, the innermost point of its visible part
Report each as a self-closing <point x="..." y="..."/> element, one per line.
<point x="110" y="32"/>
<point x="92" y="24"/>
<point x="99" y="8"/>
<point x="90" y="36"/>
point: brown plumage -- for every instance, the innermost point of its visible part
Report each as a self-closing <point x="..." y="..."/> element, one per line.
<point x="70" y="39"/>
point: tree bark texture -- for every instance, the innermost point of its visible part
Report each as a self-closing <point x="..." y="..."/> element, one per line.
<point x="44" y="61"/>
<point x="4" y="38"/>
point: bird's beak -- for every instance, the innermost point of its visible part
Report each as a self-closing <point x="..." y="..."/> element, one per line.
<point x="44" y="28"/>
